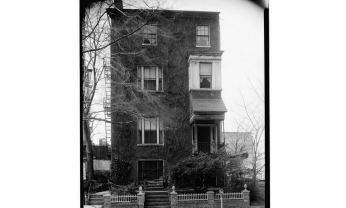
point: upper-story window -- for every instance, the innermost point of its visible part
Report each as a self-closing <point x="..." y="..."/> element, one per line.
<point x="149" y="34"/>
<point x="150" y="131"/>
<point x="149" y="77"/>
<point x="203" y="35"/>
<point x="205" y="75"/>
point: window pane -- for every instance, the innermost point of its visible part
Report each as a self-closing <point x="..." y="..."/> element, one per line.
<point x="160" y="72"/>
<point x="152" y="74"/>
<point x="205" y="68"/>
<point x="149" y="33"/>
<point x="205" y="82"/>
<point x="150" y="84"/>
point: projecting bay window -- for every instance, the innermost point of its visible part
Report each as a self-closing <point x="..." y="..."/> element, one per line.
<point x="150" y="131"/>
<point x="205" y="75"/>
<point x="150" y="78"/>
<point x="203" y="36"/>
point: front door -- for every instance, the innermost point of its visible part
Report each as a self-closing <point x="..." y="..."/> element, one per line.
<point x="150" y="169"/>
<point x="203" y="137"/>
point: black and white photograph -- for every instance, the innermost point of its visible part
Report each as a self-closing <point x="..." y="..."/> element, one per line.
<point x="173" y="103"/>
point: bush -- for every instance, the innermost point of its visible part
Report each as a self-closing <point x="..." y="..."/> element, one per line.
<point x="120" y="172"/>
<point x="237" y="185"/>
<point x="102" y="176"/>
<point x="198" y="171"/>
<point x="124" y="190"/>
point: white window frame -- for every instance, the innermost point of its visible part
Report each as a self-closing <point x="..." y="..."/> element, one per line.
<point x="158" y="129"/>
<point x="141" y="68"/>
<point x="211" y="75"/>
<point x="142" y="34"/>
<point x="208" y="46"/>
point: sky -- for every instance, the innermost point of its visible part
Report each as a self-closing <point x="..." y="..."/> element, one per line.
<point x="242" y="40"/>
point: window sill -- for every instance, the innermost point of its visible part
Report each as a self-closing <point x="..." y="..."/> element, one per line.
<point x="206" y="89"/>
<point x="203" y="46"/>
<point x="145" y="145"/>
<point x="149" y="44"/>
<point x="151" y="90"/>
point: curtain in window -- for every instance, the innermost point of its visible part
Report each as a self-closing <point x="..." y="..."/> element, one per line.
<point x="139" y="136"/>
<point x="160" y="78"/>
<point x="149" y="34"/>
<point x="205" y="75"/>
<point x="150" y="132"/>
<point x="150" y="78"/>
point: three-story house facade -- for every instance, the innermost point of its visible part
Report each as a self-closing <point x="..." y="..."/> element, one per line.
<point x="174" y="56"/>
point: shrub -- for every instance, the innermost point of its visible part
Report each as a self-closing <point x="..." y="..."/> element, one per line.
<point x="124" y="189"/>
<point x="198" y="171"/>
<point x="237" y="185"/>
<point x="120" y="172"/>
<point x="101" y="176"/>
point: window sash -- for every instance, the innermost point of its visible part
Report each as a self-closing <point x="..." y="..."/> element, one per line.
<point x="203" y="35"/>
<point x="205" y="74"/>
<point x="150" y="131"/>
<point x="150" y="77"/>
<point x="149" y="34"/>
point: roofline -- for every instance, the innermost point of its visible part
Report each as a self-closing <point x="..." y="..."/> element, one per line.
<point x="167" y="10"/>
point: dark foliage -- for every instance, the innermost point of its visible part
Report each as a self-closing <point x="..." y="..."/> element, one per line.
<point x="120" y="172"/>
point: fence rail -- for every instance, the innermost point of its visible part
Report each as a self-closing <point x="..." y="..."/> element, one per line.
<point x="123" y="198"/>
<point x="192" y="197"/>
<point x="230" y="196"/>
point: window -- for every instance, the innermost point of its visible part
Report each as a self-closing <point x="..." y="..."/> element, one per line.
<point x="203" y="35"/>
<point x="205" y="75"/>
<point x="150" y="169"/>
<point x="150" y="131"/>
<point x="149" y="77"/>
<point x="149" y="34"/>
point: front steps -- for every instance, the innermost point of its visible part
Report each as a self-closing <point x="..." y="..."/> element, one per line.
<point x="156" y="199"/>
<point x="96" y="199"/>
<point x="155" y="185"/>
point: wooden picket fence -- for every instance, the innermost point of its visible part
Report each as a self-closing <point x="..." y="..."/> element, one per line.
<point x="123" y="198"/>
<point x="192" y="197"/>
<point x="230" y="196"/>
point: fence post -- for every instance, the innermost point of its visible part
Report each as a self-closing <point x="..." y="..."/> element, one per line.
<point x="246" y="196"/>
<point x="107" y="201"/>
<point x="174" y="198"/>
<point x="210" y="195"/>
<point x="141" y="198"/>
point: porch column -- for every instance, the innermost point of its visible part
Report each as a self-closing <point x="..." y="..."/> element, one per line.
<point x="195" y="137"/>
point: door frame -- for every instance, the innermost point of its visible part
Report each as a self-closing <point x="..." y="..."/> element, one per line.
<point x="141" y="160"/>
<point x="212" y="137"/>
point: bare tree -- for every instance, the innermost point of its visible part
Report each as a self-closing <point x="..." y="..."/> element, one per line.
<point x="252" y="122"/>
<point x="98" y="36"/>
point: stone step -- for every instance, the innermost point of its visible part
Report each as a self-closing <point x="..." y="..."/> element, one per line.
<point x="157" y="199"/>
<point x="154" y="188"/>
<point x="157" y="203"/>
<point x="93" y="199"/>
<point x="148" y="193"/>
<point x="95" y="203"/>
<point x="157" y="196"/>
<point x="96" y="196"/>
<point x="154" y="185"/>
<point x="157" y="206"/>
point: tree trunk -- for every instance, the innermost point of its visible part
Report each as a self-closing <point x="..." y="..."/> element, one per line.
<point x="89" y="151"/>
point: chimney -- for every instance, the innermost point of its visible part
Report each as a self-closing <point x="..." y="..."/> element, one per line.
<point x="118" y="4"/>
